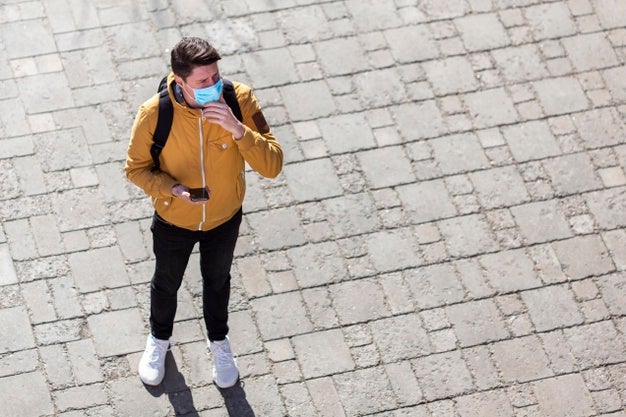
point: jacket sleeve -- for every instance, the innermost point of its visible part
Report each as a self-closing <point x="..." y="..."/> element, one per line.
<point x="258" y="146"/>
<point x="156" y="184"/>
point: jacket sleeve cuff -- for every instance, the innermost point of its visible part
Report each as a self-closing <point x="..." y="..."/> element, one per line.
<point x="166" y="186"/>
<point x="247" y="140"/>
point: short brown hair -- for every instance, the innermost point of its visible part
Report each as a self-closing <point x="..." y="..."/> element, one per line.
<point x="191" y="52"/>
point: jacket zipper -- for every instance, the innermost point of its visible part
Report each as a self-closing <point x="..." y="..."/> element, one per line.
<point x="201" y="169"/>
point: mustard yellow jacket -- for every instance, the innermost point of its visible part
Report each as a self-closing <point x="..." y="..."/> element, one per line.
<point x="194" y="146"/>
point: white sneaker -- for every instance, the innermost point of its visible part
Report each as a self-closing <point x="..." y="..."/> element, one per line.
<point x="152" y="363"/>
<point x="225" y="372"/>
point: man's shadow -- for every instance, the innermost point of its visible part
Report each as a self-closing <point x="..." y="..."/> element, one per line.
<point x="179" y="393"/>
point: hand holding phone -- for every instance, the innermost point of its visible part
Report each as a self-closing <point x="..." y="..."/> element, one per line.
<point x="198" y="194"/>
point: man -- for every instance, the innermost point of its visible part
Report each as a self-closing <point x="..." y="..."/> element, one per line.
<point x="205" y="154"/>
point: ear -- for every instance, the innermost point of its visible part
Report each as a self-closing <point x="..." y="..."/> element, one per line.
<point x="178" y="79"/>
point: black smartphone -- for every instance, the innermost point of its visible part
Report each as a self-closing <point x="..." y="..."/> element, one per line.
<point x="198" y="194"/>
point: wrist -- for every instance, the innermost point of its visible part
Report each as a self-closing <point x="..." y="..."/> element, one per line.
<point x="239" y="132"/>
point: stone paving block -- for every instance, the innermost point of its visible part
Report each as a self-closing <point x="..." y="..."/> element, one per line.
<point x="404" y="383"/>
<point x="65" y="298"/>
<point x="402" y="40"/>
<point x="379" y="88"/>
<point x="611" y="13"/>
<point x="476" y="322"/>
<point x="317" y="264"/>
<point x="467" y="235"/>
<point x="451" y="75"/>
<point x="129" y="397"/>
<point x="80" y="397"/>
<point x="434" y="285"/>
<point x="19" y="363"/>
<point x="608" y="207"/>
<point x="8" y="275"/>
<point x="541" y="222"/>
<point x="481" y="365"/>
<point x="346" y="133"/>
<point x="613" y="289"/>
<point x="371" y="303"/>
<point x="560" y="95"/>
<point x="323" y="353"/>
<point x="392" y="250"/>
<point x="442" y="375"/>
<point x="419" y="120"/>
<point x="489" y="403"/>
<point x="365" y="391"/>
<point x="612" y="78"/>
<point x="550" y="21"/>
<point x="531" y="140"/>
<point x="400" y="337"/>
<point x="46" y="92"/>
<point x="520" y="63"/>
<point x="521" y="359"/>
<point x="552" y="307"/>
<point x="85" y="365"/>
<point x="272" y="321"/>
<point x="426" y="201"/>
<point x="325" y="397"/>
<point x="341" y="56"/>
<point x="111" y="339"/>
<point x="78" y="209"/>
<point x="26" y="395"/>
<point x="584" y="341"/>
<point x="583" y="256"/>
<point x="57" y="365"/>
<point x="15" y="322"/>
<point x="590" y="51"/>
<point x="27" y="38"/>
<point x="564" y="396"/>
<point x="320" y="103"/>
<point x="458" y="153"/>
<point x="306" y="24"/>
<point x="21" y="240"/>
<point x="481" y="32"/>
<point x="297" y="400"/>
<point x="352" y="214"/>
<point x="510" y="270"/>
<point x="372" y="15"/>
<point x="313" y="180"/>
<point x="385" y="167"/>
<point x="572" y="173"/>
<point x="98" y="269"/>
<point x="600" y="128"/>
<point x="271" y="67"/>
<point x="277" y="235"/>
<point x="490" y="108"/>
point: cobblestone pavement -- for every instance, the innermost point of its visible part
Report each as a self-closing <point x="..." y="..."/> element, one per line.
<point x="447" y="237"/>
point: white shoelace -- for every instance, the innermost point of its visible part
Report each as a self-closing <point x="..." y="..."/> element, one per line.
<point x="157" y="352"/>
<point x="223" y="355"/>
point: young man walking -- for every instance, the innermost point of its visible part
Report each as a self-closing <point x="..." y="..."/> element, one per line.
<point x="197" y="193"/>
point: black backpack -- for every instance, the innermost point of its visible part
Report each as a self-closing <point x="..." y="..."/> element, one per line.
<point x="166" y="115"/>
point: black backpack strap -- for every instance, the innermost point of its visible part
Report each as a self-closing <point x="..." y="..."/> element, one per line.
<point x="164" y="123"/>
<point x="230" y="97"/>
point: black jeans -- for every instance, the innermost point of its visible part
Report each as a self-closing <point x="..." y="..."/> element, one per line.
<point x="172" y="247"/>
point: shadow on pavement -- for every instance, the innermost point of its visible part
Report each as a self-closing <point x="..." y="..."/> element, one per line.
<point x="235" y="400"/>
<point x="176" y="389"/>
<point x="179" y="393"/>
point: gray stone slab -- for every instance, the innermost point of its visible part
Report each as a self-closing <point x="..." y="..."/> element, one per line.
<point x="270" y="68"/>
<point x="490" y="108"/>
<point x="489" y="403"/>
<point x="613" y="289"/>
<point x="467" y="235"/>
<point x="319" y="102"/>
<point x="98" y="269"/>
<point x="600" y="128"/>
<point x="271" y="318"/>
<point x="385" y="167"/>
<point x="323" y="353"/>
<point x="476" y="322"/>
<point x="46" y="92"/>
<point x="25" y="395"/>
<point x="365" y="391"/>
<point x="341" y="56"/>
<point x="313" y="180"/>
<point x="306" y="24"/>
<point x="510" y="270"/>
<point x="27" y="38"/>
<point x="550" y="21"/>
<point x="541" y="221"/>
<point x="372" y="15"/>
<point x="353" y="214"/>
<point x="317" y="264"/>
<point x="426" y="201"/>
<point x="7" y="270"/>
<point x="608" y="207"/>
<point x="358" y="301"/>
<point x="434" y="285"/>
<point x="583" y="256"/>
<point x="400" y="337"/>
<point x="565" y="395"/>
<point x="482" y="32"/>
<point x="521" y="63"/>
<point x="583" y="342"/>
<point x="613" y="78"/>
<point x="111" y="338"/>
<point x="572" y="173"/>
<point x="276" y="235"/>
<point x="442" y="375"/>
<point x="611" y="13"/>
<point x="393" y="250"/>
<point x="552" y="307"/>
<point x="531" y="140"/>
<point x="17" y="332"/>
<point x="346" y="133"/>
<point x="451" y="75"/>
<point x="458" y="153"/>
<point x="402" y="41"/>
<point x="380" y="87"/>
<point x="419" y="120"/>
<point x="560" y="95"/>
<point x="500" y="187"/>
<point x="590" y="52"/>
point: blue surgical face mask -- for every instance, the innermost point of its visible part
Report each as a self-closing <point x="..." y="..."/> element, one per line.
<point x="209" y="94"/>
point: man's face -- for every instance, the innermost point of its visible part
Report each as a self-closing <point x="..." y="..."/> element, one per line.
<point x="200" y="77"/>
